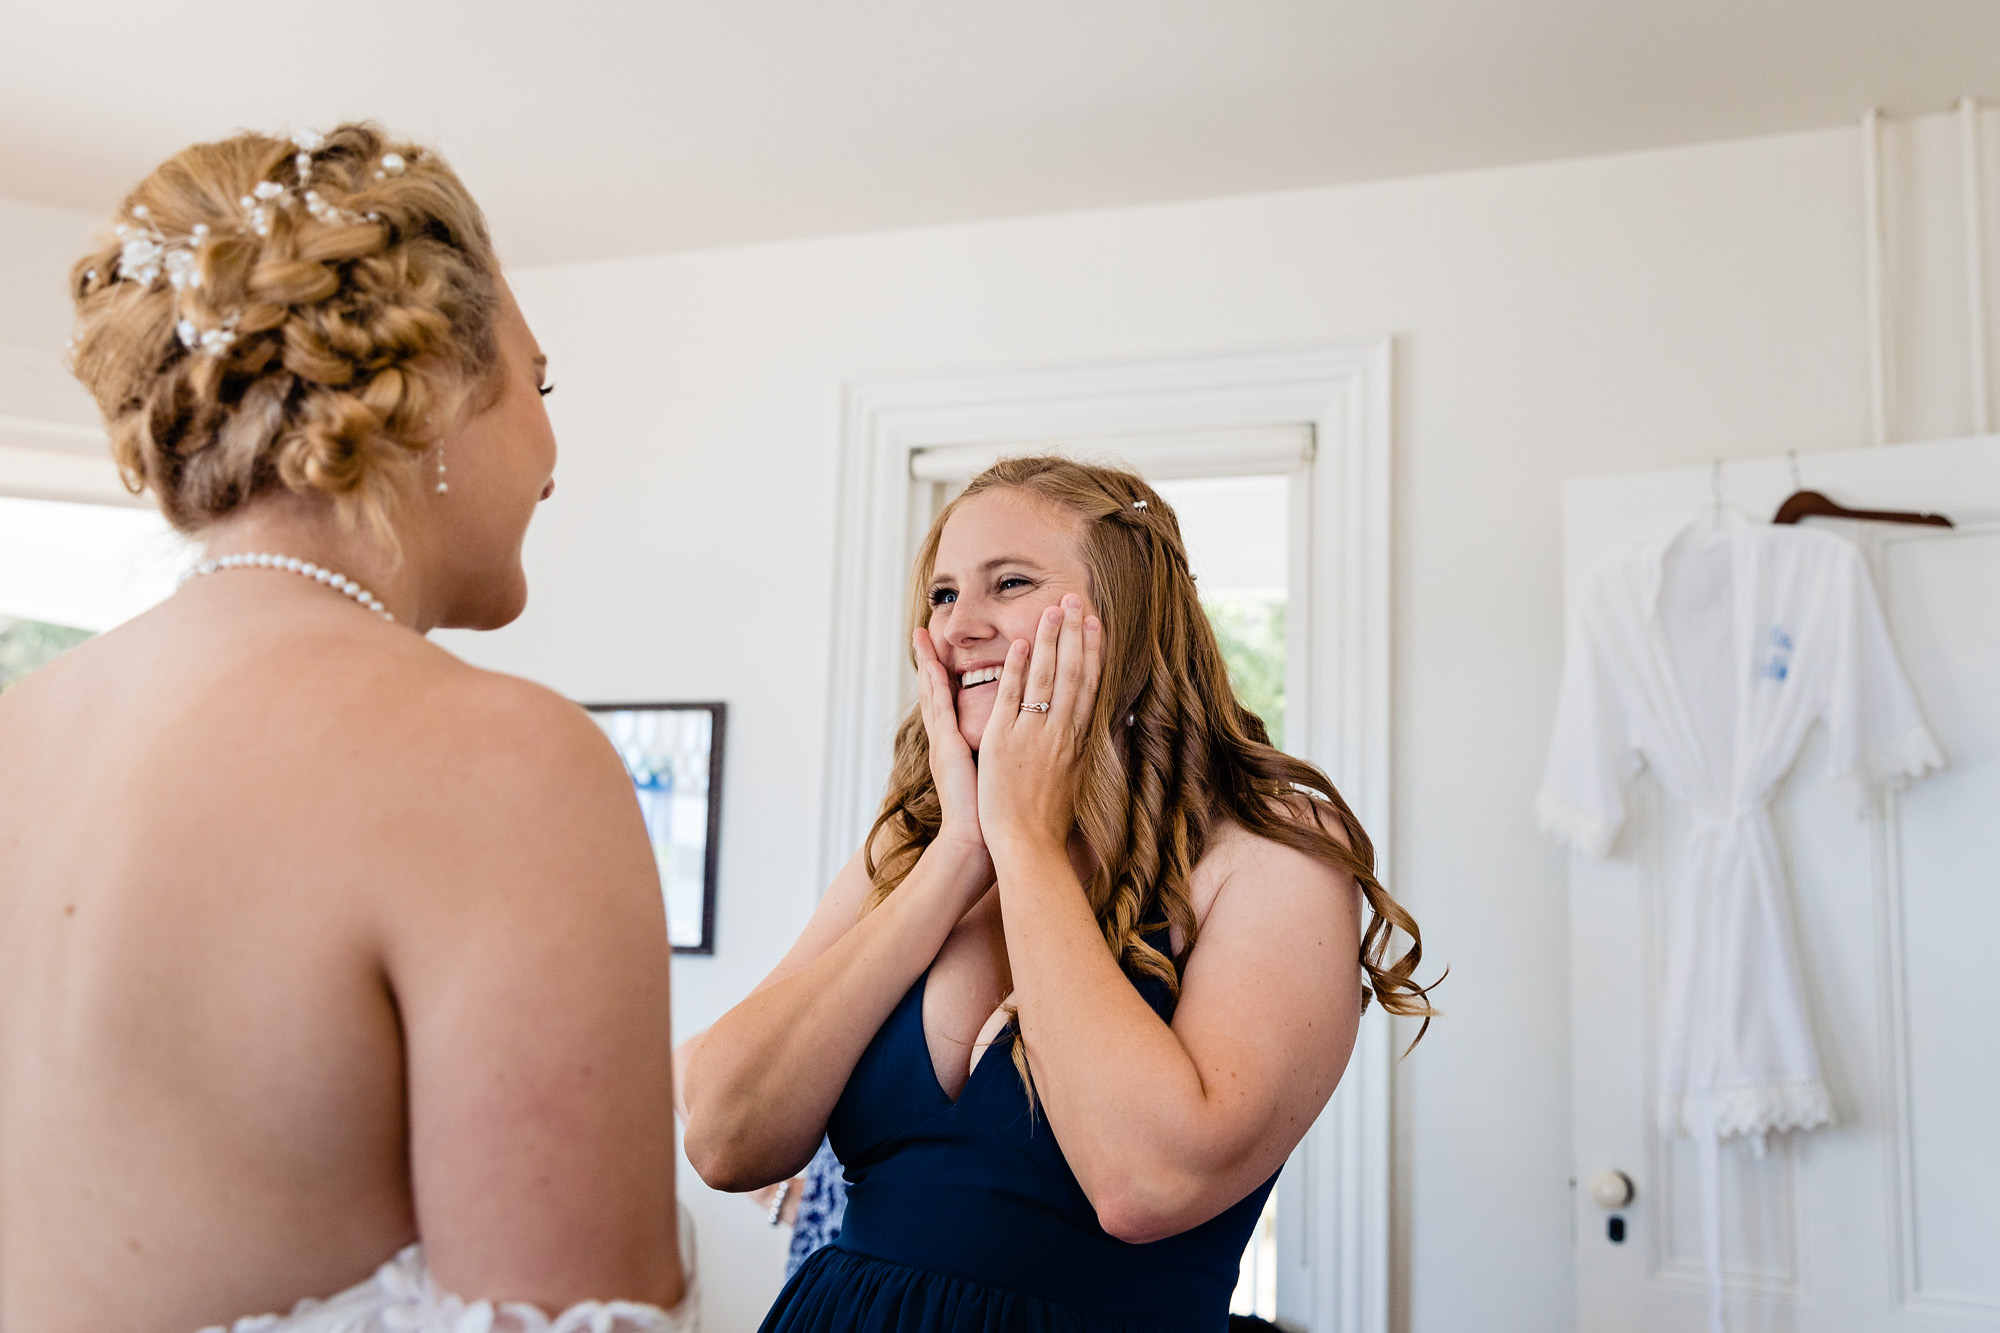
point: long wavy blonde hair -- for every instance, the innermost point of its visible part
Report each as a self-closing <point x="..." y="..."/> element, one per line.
<point x="1170" y="749"/>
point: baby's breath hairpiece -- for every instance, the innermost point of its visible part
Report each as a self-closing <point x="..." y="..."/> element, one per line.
<point x="269" y="194"/>
<point x="145" y="253"/>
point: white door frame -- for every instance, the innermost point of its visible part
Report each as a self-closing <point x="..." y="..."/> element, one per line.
<point x="1334" y="1201"/>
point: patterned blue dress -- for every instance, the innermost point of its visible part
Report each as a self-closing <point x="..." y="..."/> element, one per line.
<point x="822" y="1205"/>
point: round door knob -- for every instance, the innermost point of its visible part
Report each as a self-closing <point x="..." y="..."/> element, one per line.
<point x="1613" y="1189"/>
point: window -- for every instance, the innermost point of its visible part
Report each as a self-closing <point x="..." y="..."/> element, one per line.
<point x="27" y="644"/>
<point x="70" y="570"/>
<point x="1236" y="532"/>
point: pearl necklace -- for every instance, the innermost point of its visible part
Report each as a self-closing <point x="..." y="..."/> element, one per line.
<point x="340" y="583"/>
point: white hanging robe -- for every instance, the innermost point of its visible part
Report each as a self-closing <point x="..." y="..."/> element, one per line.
<point x="1707" y="657"/>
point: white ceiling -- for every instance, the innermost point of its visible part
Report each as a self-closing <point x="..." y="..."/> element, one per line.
<point x="592" y="128"/>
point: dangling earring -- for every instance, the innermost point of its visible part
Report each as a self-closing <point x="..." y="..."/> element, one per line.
<point x="441" y="487"/>
<point x="1131" y="718"/>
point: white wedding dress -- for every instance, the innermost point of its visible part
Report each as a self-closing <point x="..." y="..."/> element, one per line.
<point x="402" y="1298"/>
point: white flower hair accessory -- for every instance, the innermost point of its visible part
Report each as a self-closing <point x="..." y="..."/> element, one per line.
<point x="257" y="205"/>
<point x="145" y="253"/>
<point x="213" y="341"/>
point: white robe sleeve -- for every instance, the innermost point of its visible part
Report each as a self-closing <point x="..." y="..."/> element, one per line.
<point x="1878" y="740"/>
<point x="1592" y="757"/>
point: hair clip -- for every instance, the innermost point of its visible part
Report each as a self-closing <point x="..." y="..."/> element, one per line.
<point x="144" y="254"/>
<point x="307" y="142"/>
<point x="212" y="341"/>
<point x="1138" y="504"/>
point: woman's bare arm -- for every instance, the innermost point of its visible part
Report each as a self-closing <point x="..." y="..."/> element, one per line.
<point x="762" y="1081"/>
<point x="1164" y="1126"/>
<point x="1167" y="1126"/>
<point x="528" y="959"/>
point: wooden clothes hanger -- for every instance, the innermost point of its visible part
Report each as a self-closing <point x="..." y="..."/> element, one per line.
<point x="1802" y="503"/>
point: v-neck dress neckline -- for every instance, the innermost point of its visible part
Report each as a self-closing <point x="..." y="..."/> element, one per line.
<point x="964" y="1215"/>
<point x="922" y="988"/>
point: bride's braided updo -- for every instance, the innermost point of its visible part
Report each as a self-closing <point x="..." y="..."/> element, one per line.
<point x="308" y="313"/>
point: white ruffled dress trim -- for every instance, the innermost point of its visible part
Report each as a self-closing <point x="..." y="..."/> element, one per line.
<point x="402" y="1298"/>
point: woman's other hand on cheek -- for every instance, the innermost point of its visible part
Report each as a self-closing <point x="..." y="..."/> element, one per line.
<point x="953" y="769"/>
<point x="1031" y="752"/>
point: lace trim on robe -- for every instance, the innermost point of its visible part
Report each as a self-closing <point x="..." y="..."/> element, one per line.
<point x="1892" y="765"/>
<point x="1753" y="1110"/>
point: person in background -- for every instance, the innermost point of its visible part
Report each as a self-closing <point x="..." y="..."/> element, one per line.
<point x="1095" y="971"/>
<point x="820" y="1209"/>
<point x="333" y="972"/>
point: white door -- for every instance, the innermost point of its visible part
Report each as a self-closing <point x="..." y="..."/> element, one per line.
<point x="1890" y="1219"/>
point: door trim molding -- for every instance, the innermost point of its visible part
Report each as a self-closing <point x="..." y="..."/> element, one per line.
<point x="1893" y="966"/>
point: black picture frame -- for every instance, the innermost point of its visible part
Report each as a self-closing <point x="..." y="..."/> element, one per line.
<point x="647" y="781"/>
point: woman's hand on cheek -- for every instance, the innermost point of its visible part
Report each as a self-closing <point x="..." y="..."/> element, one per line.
<point x="952" y="767"/>
<point x="1029" y="757"/>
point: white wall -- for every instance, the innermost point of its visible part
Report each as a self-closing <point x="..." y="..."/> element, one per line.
<point x="37" y="246"/>
<point x="1555" y="320"/>
<point x="1580" y="317"/>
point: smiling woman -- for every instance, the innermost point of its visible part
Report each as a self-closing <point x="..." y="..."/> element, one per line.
<point x="1090" y="855"/>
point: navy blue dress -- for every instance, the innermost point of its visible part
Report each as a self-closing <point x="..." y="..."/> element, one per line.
<point x="963" y="1216"/>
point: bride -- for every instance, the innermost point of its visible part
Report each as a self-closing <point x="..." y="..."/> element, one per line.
<point x="316" y="943"/>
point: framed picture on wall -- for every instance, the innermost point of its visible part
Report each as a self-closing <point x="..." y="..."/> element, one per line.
<point x="673" y="754"/>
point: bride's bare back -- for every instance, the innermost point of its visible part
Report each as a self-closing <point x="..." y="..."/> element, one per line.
<point x="249" y="867"/>
<point x="315" y="941"/>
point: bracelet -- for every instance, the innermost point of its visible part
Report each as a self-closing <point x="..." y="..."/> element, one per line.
<point x="778" y="1203"/>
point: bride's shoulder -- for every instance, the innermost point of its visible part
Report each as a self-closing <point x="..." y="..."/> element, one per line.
<point x="490" y="795"/>
<point x="508" y="731"/>
<point x="482" y="756"/>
